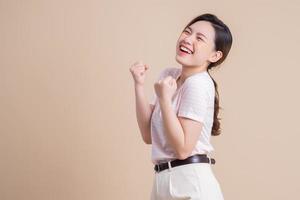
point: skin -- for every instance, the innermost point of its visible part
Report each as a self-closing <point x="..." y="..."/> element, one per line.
<point x="183" y="133"/>
<point x="143" y="109"/>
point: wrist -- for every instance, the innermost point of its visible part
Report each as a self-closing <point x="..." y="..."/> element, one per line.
<point x="138" y="86"/>
<point x="163" y="101"/>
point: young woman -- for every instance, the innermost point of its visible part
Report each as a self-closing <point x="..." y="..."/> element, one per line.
<point x="183" y="113"/>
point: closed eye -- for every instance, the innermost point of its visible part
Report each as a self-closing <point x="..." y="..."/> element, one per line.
<point x="186" y="31"/>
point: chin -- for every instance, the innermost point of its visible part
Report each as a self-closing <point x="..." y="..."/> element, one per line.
<point x="181" y="60"/>
<point x="178" y="59"/>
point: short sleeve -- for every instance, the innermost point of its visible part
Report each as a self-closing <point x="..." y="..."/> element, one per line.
<point x="194" y="101"/>
<point x="162" y="75"/>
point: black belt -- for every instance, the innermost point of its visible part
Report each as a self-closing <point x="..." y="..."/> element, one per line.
<point x="197" y="158"/>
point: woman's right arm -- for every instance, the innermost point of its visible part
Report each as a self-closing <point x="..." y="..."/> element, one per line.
<point x="144" y="111"/>
<point x="143" y="108"/>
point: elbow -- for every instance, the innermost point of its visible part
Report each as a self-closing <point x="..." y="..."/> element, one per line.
<point x="147" y="142"/>
<point x="182" y="154"/>
<point x="146" y="136"/>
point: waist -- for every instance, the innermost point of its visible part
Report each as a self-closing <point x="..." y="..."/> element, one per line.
<point x="197" y="158"/>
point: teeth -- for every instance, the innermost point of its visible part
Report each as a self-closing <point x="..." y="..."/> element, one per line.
<point x="185" y="49"/>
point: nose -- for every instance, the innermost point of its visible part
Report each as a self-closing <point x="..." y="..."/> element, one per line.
<point x="188" y="40"/>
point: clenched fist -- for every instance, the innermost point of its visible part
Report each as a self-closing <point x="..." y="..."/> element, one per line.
<point x="165" y="88"/>
<point x="138" y="71"/>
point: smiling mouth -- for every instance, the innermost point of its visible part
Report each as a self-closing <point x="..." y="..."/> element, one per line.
<point x="185" y="50"/>
<point x="182" y="52"/>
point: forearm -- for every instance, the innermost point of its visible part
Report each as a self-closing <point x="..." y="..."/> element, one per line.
<point x="143" y="113"/>
<point x="172" y="127"/>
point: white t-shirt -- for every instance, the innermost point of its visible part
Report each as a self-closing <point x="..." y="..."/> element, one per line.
<point x="194" y="99"/>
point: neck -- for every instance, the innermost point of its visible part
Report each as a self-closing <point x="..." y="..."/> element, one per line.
<point x="188" y="71"/>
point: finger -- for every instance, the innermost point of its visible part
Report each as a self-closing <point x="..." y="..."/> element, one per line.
<point x="146" y="67"/>
<point x="142" y="67"/>
<point x="172" y="81"/>
<point x="168" y="78"/>
<point x="139" y="68"/>
<point x="137" y="63"/>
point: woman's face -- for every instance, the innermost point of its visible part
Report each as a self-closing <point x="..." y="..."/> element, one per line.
<point x="199" y="39"/>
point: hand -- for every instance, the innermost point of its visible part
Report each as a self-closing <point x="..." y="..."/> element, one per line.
<point x="165" y="88"/>
<point x="138" y="71"/>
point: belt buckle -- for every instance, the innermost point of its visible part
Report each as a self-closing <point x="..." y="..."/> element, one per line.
<point x="209" y="159"/>
<point x="158" y="169"/>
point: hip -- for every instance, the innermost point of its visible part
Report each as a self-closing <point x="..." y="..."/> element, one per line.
<point x="190" y="181"/>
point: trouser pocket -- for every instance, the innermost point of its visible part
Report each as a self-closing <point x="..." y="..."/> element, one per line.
<point x="184" y="183"/>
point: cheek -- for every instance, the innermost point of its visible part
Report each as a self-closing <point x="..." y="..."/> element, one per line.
<point x="201" y="54"/>
<point x="202" y="50"/>
<point x="181" y="37"/>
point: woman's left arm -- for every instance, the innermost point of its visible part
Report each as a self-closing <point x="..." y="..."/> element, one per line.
<point x="181" y="132"/>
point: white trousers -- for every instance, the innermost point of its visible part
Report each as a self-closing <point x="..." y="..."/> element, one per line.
<point x="191" y="181"/>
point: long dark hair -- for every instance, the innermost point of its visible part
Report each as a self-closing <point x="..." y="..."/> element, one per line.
<point x="223" y="42"/>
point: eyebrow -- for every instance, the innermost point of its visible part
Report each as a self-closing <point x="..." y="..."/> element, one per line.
<point x="197" y="33"/>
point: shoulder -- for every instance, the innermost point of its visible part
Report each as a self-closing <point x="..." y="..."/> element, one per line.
<point x="200" y="80"/>
<point x="201" y="83"/>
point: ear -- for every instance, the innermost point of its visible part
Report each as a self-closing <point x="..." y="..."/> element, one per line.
<point x="215" y="56"/>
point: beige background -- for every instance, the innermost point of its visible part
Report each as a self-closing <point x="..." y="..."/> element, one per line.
<point x="67" y="118"/>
